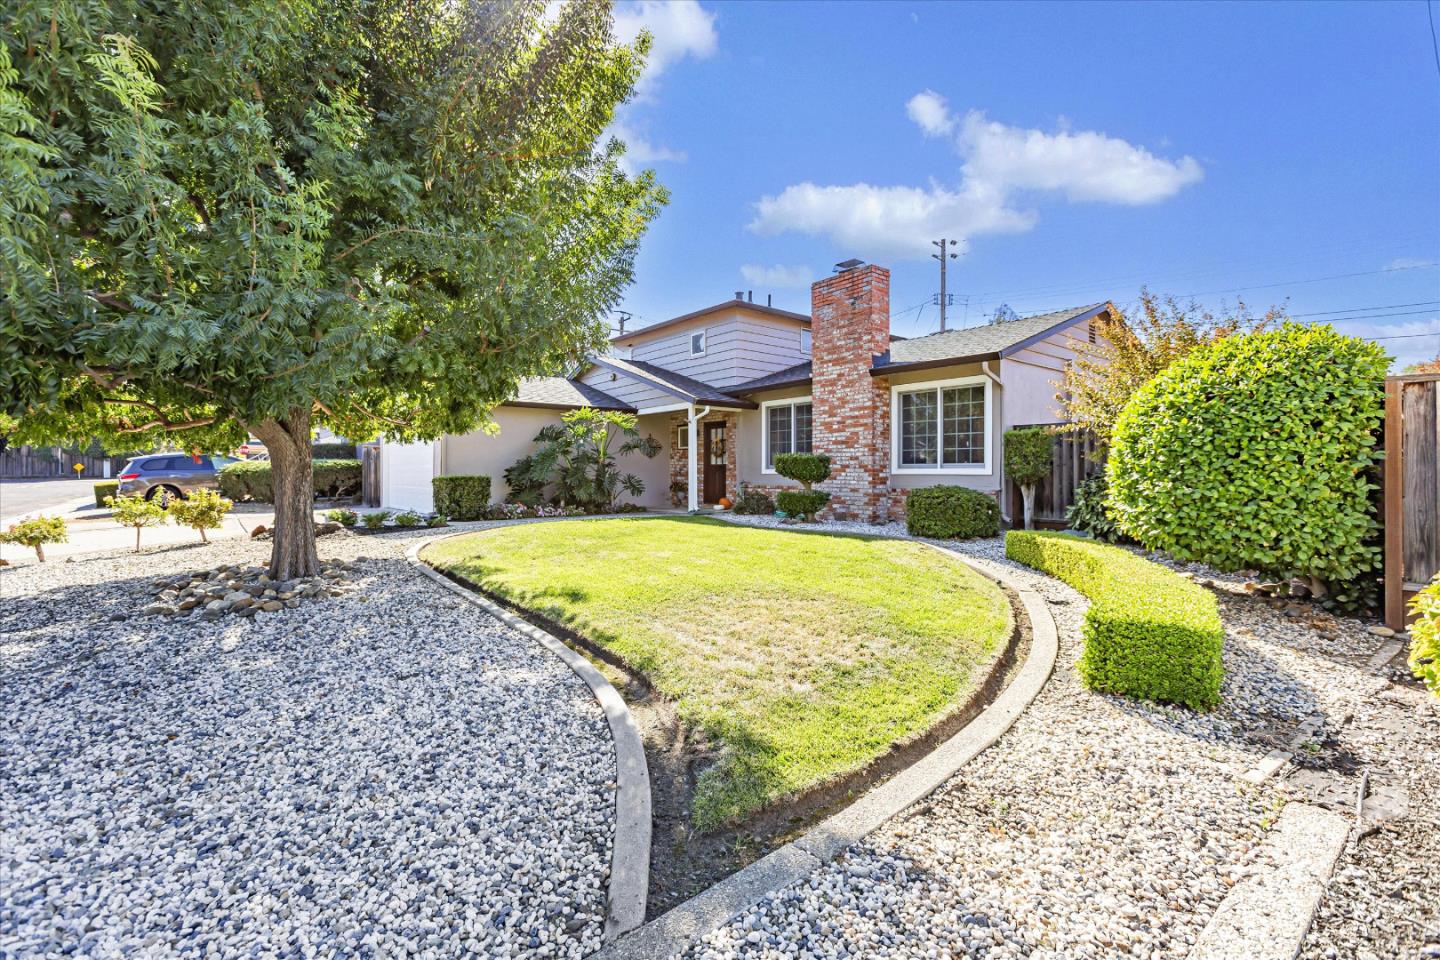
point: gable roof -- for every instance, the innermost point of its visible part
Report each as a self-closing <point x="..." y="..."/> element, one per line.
<point x="991" y="341"/>
<point x="558" y="393"/>
<point x="760" y="308"/>
<point x="789" y="377"/>
<point x="677" y="385"/>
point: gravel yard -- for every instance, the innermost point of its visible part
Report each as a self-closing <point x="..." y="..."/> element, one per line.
<point x="386" y="772"/>
<point x="1099" y="827"/>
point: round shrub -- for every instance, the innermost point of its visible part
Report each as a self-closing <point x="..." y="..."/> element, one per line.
<point x="461" y="497"/>
<point x="202" y="510"/>
<point x="805" y="468"/>
<point x="945" y="511"/>
<point x="1253" y="453"/>
<point x="35" y="533"/>
<point x="802" y="503"/>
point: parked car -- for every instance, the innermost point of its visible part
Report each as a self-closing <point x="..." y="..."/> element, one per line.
<point x="169" y="475"/>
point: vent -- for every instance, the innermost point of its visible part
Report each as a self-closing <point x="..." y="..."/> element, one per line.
<point x="846" y="265"/>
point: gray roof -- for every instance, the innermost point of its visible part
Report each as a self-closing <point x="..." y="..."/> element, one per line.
<point x="987" y="341"/>
<point x="560" y="393"/>
<point x="676" y="384"/>
<point x="789" y="377"/>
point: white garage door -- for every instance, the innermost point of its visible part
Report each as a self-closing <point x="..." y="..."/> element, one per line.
<point x="405" y="473"/>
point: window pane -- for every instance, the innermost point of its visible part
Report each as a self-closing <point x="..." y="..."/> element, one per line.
<point x="964" y="425"/>
<point x="804" y="422"/>
<point x="779" y="434"/>
<point x="918" y="425"/>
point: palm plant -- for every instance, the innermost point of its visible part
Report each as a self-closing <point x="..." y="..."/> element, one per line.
<point x="576" y="460"/>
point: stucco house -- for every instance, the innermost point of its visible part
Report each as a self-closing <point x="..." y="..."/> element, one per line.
<point x="726" y="388"/>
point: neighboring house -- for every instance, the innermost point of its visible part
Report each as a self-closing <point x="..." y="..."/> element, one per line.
<point x="726" y="388"/>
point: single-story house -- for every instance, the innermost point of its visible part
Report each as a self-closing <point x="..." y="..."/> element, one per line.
<point x="726" y="388"/>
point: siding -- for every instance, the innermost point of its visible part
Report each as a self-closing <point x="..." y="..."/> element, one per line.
<point x="623" y="388"/>
<point x="1031" y="376"/>
<point x="738" y="347"/>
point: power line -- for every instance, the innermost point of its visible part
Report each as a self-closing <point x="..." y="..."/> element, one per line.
<point x="1338" y="276"/>
<point x="1388" y="306"/>
<point x="1434" y="45"/>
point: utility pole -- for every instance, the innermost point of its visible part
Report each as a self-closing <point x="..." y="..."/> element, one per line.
<point x="942" y="256"/>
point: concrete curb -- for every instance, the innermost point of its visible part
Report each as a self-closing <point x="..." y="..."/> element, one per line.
<point x="630" y="858"/>
<point x="1266" y="916"/>
<point x="672" y="932"/>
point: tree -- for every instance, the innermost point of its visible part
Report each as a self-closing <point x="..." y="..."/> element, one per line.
<point x="807" y="469"/>
<point x="202" y="510"/>
<point x="1423" y="366"/>
<point x="1028" y="457"/>
<point x="1129" y="352"/>
<point x="137" y="512"/>
<point x="36" y="532"/>
<point x="377" y="215"/>
<point x="576" y="460"/>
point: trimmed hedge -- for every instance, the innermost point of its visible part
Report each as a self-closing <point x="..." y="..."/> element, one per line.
<point x="1255" y="452"/>
<point x="461" y="497"/>
<point x="946" y="511"/>
<point x="806" y="468"/>
<point x="332" y="451"/>
<point x="251" y="479"/>
<point x="105" y="488"/>
<point x="801" y="503"/>
<point x="1149" y="632"/>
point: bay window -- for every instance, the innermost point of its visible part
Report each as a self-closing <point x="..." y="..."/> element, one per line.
<point x="787" y="427"/>
<point x="942" y="427"/>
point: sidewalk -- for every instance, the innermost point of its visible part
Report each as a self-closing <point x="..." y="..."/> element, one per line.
<point x="96" y="533"/>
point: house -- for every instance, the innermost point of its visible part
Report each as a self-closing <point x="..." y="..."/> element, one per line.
<point x="726" y="388"/>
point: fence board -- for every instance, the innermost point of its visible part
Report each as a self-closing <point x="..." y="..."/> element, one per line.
<point x="1075" y="458"/>
<point x="1411" y="489"/>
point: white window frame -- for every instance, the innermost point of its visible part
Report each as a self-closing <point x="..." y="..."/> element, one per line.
<point x="940" y="469"/>
<point x="765" y="427"/>
<point x="704" y="342"/>
<point x="682" y="437"/>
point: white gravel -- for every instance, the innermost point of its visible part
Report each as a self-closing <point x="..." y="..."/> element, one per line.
<point x="385" y="773"/>
<point x="1101" y="827"/>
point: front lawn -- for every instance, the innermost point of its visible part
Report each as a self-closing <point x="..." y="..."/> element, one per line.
<point x="805" y="656"/>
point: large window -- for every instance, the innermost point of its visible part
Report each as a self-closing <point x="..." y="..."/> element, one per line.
<point x="788" y="428"/>
<point x="942" y="427"/>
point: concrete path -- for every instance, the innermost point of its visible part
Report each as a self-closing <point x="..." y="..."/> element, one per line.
<point x="98" y="533"/>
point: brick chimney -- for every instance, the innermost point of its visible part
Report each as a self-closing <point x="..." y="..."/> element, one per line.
<point x="850" y="325"/>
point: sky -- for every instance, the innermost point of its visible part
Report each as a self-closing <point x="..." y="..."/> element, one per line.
<point x="1277" y="154"/>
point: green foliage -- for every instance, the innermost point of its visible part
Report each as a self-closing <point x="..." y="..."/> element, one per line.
<point x="35" y="533"/>
<point x="461" y="497"/>
<point x="103" y="489"/>
<point x="946" y="511"/>
<point x="1148" y="632"/>
<point x="137" y="512"/>
<point x="806" y="468"/>
<point x="376" y="520"/>
<point x="1425" y="636"/>
<point x="1089" y="513"/>
<point x="1254" y="453"/>
<point x="408" y="518"/>
<point x="202" y="510"/>
<point x="332" y="451"/>
<point x="254" y="479"/>
<point x="576" y="461"/>
<point x="343" y="516"/>
<point x="1028" y="455"/>
<point x="754" y="502"/>
<point x="438" y="520"/>
<point x="385" y="211"/>
<point x="801" y="503"/>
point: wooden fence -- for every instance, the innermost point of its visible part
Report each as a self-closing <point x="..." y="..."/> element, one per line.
<point x="45" y="462"/>
<point x="1075" y="457"/>
<point x="1410" y="490"/>
<point x="369" y="474"/>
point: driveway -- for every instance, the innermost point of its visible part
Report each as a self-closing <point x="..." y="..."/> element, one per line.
<point x="20" y="498"/>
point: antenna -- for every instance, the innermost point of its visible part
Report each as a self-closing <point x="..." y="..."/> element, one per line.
<point x="943" y="300"/>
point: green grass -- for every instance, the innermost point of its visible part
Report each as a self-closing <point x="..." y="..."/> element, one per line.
<point x="805" y="656"/>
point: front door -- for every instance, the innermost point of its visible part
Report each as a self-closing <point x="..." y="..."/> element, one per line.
<point x="714" y="451"/>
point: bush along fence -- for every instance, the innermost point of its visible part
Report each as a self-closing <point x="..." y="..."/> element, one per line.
<point x="947" y="512"/>
<point x="1076" y="455"/>
<point x="1149" y="633"/>
<point x="251" y="479"/>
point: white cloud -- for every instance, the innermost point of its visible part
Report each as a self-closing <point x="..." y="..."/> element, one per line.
<point x="1000" y="162"/>
<point x="679" y="29"/>
<point x="777" y="276"/>
<point x="1408" y="263"/>
<point x="927" y="108"/>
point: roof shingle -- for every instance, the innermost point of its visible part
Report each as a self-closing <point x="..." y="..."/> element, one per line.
<point x="558" y="392"/>
<point x="990" y="339"/>
<point x="676" y="384"/>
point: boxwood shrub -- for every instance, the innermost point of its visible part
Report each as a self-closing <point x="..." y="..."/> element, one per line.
<point x="1254" y="453"/>
<point x="1149" y="632"/>
<point x="801" y="503"/>
<point x="945" y="512"/>
<point x="252" y="480"/>
<point x="105" y="488"/>
<point x="461" y="497"/>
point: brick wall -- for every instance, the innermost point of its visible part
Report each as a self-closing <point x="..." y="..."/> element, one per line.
<point x="850" y="315"/>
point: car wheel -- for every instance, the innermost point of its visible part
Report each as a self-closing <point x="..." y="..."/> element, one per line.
<point x="165" y="494"/>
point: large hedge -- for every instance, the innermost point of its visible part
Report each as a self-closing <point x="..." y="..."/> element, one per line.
<point x="945" y="512"/>
<point x="1254" y="452"/>
<point x="1148" y="633"/>
<point x="251" y="480"/>
<point x="332" y="451"/>
<point x="461" y="497"/>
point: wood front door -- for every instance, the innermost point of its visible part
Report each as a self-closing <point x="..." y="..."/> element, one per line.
<point x="714" y="460"/>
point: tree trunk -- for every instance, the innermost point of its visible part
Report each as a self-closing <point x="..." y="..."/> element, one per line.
<point x="292" y="553"/>
<point x="1027" y="495"/>
<point x="40" y="552"/>
<point x="137" y="539"/>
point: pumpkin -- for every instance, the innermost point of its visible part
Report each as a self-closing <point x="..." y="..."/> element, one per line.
<point x="725" y="502"/>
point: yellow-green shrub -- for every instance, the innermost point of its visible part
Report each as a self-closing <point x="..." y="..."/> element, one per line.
<point x="1425" y="636"/>
<point x="1149" y="632"/>
<point x="202" y="510"/>
<point x="35" y="533"/>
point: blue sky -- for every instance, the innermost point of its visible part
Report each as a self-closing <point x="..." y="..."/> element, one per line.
<point x="1280" y="153"/>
